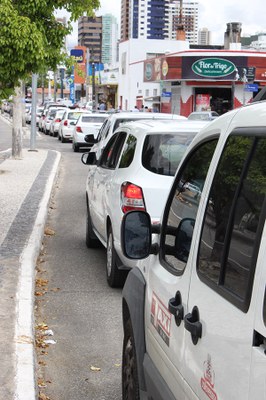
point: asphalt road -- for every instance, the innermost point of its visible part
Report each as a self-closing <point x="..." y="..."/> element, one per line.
<point x="73" y="298"/>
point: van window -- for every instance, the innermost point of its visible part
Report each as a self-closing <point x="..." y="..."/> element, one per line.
<point x="183" y="204"/>
<point x="231" y="229"/>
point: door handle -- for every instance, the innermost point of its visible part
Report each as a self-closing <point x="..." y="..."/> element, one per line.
<point x="193" y="324"/>
<point x="175" y="307"/>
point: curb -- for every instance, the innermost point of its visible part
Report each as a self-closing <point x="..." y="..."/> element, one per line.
<point x="25" y="363"/>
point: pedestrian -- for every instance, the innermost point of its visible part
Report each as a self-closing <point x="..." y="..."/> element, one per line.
<point x="102" y="107"/>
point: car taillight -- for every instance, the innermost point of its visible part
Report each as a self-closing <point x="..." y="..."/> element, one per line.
<point x="57" y="120"/>
<point x="78" y="129"/>
<point x="65" y="122"/>
<point x="131" y="197"/>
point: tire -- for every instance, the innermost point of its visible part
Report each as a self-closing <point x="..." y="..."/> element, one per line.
<point x="75" y="148"/>
<point x="91" y="240"/>
<point x="130" y="384"/>
<point x="114" y="276"/>
<point x="63" y="140"/>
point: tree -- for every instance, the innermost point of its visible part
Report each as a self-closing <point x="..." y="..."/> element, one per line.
<point x="31" y="41"/>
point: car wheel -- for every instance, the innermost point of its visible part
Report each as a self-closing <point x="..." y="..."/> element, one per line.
<point x="115" y="277"/>
<point x="75" y="147"/>
<point x="130" y="384"/>
<point x="59" y="137"/>
<point x="91" y="239"/>
<point x="63" y="140"/>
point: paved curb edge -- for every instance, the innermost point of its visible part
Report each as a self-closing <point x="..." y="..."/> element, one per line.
<point x="25" y="364"/>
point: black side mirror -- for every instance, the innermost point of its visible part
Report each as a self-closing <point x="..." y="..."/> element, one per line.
<point x="136" y="235"/>
<point x="90" y="139"/>
<point x="89" y="158"/>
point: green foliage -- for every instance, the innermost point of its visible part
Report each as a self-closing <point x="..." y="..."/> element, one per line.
<point x="31" y="39"/>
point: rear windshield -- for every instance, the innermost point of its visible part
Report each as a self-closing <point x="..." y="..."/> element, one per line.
<point x="93" y="118"/>
<point x="162" y="153"/>
<point x="73" y="115"/>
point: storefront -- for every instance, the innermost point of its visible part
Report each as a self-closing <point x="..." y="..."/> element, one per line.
<point x="207" y="80"/>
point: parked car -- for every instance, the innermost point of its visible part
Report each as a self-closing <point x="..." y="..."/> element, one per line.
<point x="115" y="120"/>
<point x="28" y="113"/>
<point x="88" y="123"/>
<point x="69" y="120"/>
<point x="39" y="112"/>
<point x="194" y="305"/>
<point x="54" y="128"/>
<point x="203" y="115"/>
<point x="49" y="118"/>
<point x="134" y="171"/>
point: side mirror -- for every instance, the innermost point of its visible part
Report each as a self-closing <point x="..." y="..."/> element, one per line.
<point x="90" y="139"/>
<point x="89" y="158"/>
<point x="136" y="235"/>
<point x="183" y="238"/>
<point x="73" y="123"/>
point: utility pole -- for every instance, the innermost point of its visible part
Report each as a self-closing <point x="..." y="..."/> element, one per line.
<point x="93" y="86"/>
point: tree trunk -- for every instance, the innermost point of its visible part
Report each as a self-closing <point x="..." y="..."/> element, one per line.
<point x="17" y="125"/>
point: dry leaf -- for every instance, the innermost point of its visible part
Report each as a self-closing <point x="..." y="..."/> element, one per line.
<point x="24" y="339"/>
<point x="41" y="282"/>
<point x="49" y="232"/>
<point x="95" y="369"/>
<point x="42" y="326"/>
<point x="43" y="396"/>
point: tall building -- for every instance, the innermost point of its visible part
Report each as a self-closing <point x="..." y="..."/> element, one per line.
<point x="204" y="37"/>
<point x="186" y="14"/>
<point x="100" y="36"/>
<point x="144" y="19"/>
<point x="109" y="39"/>
<point x="158" y="19"/>
<point x="90" y="36"/>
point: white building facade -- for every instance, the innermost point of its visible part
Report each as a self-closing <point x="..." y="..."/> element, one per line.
<point x="132" y="90"/>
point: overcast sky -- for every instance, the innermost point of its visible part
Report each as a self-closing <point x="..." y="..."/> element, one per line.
<point x="213" y="15"/>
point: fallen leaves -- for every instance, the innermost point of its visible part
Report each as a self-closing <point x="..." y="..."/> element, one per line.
<point x="49" y="232"/>
<point x="95" y="369"/>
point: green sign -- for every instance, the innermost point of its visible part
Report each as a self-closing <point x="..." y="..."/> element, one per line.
<point x="213" y="67"/>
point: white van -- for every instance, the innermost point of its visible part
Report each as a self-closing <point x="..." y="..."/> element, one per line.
<point x="194" y="306"/>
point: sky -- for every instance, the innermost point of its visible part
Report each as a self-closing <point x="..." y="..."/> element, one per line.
<point x="213" y="14"/>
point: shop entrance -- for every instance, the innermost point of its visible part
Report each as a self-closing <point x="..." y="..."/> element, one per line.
<point x="216" y="99"/>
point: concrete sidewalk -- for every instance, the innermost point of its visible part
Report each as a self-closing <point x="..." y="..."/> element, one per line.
<point x="25" y="190"/>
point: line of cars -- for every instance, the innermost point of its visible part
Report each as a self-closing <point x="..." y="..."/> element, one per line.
<point x="70" y="125"/>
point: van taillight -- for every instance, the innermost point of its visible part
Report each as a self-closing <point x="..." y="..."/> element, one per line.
<point x="78" y="129"/>
<point x="131" y="197"/>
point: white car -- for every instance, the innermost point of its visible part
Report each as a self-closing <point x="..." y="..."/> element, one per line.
<point x="49" y="118"/>
<point x="69" y="120"/>
<point x="116" y="119"/>
<point x="194" y="305"/>
<point x="55" y="124"/>
<point x="203" y="115"/>
<point x="87" y="124"/>
<point x="134" y="171"/>
<point x="39" y="111"/>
